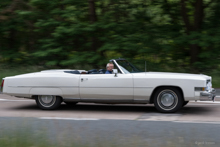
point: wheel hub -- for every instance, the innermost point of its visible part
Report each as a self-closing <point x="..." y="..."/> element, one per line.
<point x="47" y="100"/>
<point x="167" y="99"/>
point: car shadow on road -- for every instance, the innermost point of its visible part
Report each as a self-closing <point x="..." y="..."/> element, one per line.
<point x="149" y="108"/>
<point x="91" y="107"/>
<point x="109" y="107"/>
<point x="197" y="110"/>
<point x="24" y="107"/>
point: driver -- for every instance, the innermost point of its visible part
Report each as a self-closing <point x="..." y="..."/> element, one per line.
<point x="109" y="68"/>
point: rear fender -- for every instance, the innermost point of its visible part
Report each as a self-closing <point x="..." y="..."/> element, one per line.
<point x="46" y="91"/>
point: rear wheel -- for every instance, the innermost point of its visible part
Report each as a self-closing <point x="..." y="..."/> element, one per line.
<point x="168" y="99"/>
<point x="48" y="102"/>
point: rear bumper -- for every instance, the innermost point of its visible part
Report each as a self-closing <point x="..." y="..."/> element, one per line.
<point x="207" y="95"/>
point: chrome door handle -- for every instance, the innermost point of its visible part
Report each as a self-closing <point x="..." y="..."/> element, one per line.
<point x="84" y="79"/>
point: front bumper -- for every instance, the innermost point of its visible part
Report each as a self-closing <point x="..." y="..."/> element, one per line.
<point x="207" y="95"/>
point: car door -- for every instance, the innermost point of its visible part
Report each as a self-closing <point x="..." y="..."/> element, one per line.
<point x="106" y="87"/>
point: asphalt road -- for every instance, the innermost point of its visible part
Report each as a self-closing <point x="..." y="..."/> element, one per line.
<point x="102" y="133"/>
<point x="193" y="111"/>
<point x="197" y="124"/>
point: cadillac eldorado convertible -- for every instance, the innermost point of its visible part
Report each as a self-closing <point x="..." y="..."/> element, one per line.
<point x="127" y="85"/>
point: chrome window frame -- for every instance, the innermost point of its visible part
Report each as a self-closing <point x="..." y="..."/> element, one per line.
<point x="115" y="62"/>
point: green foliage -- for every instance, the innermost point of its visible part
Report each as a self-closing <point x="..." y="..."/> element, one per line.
<point x="66" y="33"/>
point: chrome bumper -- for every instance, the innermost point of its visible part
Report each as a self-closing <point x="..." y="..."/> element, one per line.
<point x="208" y="95"/>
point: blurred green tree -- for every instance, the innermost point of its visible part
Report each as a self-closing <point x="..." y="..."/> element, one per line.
<point x="171" y="35"/>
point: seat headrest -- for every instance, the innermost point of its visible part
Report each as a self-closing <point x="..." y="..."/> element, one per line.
<point x="102" y="71"/>
<point x="92" y="70"/>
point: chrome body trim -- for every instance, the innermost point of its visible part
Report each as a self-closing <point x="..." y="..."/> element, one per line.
<point x="107" y="101"/>
<point x="44" y="86"/>
<point x="106" y="87"/>
<point x="69" y="87"/>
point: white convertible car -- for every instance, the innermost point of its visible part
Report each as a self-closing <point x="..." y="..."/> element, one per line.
<point x="127" y="85"/>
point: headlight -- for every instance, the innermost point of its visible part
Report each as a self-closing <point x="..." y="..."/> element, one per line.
<point x="208" y="85"/>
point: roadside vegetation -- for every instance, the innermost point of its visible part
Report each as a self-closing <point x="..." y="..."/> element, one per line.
<point x="6" y="70"/>
<point x="170" y="35"/>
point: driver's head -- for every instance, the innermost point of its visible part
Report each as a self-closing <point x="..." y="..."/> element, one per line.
<point x="109" y="66"/>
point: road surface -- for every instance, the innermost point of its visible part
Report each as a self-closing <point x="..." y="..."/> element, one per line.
<point x="196" y="124"/>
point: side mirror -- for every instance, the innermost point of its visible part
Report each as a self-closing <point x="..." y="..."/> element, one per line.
<point x="115" y="71"/>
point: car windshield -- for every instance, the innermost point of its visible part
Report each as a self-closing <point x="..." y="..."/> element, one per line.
<point x="127" y="67"/>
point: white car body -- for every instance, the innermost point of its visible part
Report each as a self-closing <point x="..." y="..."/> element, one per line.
<point x="107" y="88"/>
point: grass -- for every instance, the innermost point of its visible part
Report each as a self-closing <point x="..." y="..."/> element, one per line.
<point x="216" y="81"/>
<point x="27" y="133"/>
<point x="24" y="134"/>
<point x="18" y="136"/>
<point x="32" y="138"/>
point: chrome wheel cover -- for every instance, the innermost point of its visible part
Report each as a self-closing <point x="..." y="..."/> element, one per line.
<point x="167" y="99"/>
<point x="47" y="100"/>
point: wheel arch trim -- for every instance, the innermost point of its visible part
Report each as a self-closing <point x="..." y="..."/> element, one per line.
<point x="165" y="86"/>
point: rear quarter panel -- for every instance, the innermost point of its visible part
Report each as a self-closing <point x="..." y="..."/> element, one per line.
<point x="62" y="84"/>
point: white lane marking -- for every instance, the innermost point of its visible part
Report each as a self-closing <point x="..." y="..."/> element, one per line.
<point x="215" y="102"/>
<point x="199" y="122"/>
<point x="14" y="100"/>
<point x="177" y="121"/>
<point x="62" y="118"/>
<point x="159" y="119"/>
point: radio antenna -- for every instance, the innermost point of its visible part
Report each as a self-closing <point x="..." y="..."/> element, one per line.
<point x="145" y="67"/>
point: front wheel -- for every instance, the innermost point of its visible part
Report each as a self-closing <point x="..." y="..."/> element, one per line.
<point x="48" y="102"/>
<point x="168" y="99"/>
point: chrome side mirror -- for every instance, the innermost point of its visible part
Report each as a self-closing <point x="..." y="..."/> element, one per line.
<point x="115" y="71"/>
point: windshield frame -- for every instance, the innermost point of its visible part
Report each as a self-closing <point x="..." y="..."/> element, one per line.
<point x="121" y="68"/>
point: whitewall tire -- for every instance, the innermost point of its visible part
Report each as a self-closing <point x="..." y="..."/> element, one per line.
<point x="48" y="102"/>
<point x="168" y="99"/>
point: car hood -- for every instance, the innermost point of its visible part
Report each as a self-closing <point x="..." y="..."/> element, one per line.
<point x="174" y="75"/>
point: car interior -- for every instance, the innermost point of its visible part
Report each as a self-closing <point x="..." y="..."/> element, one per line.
<point x="92" y="71"/>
